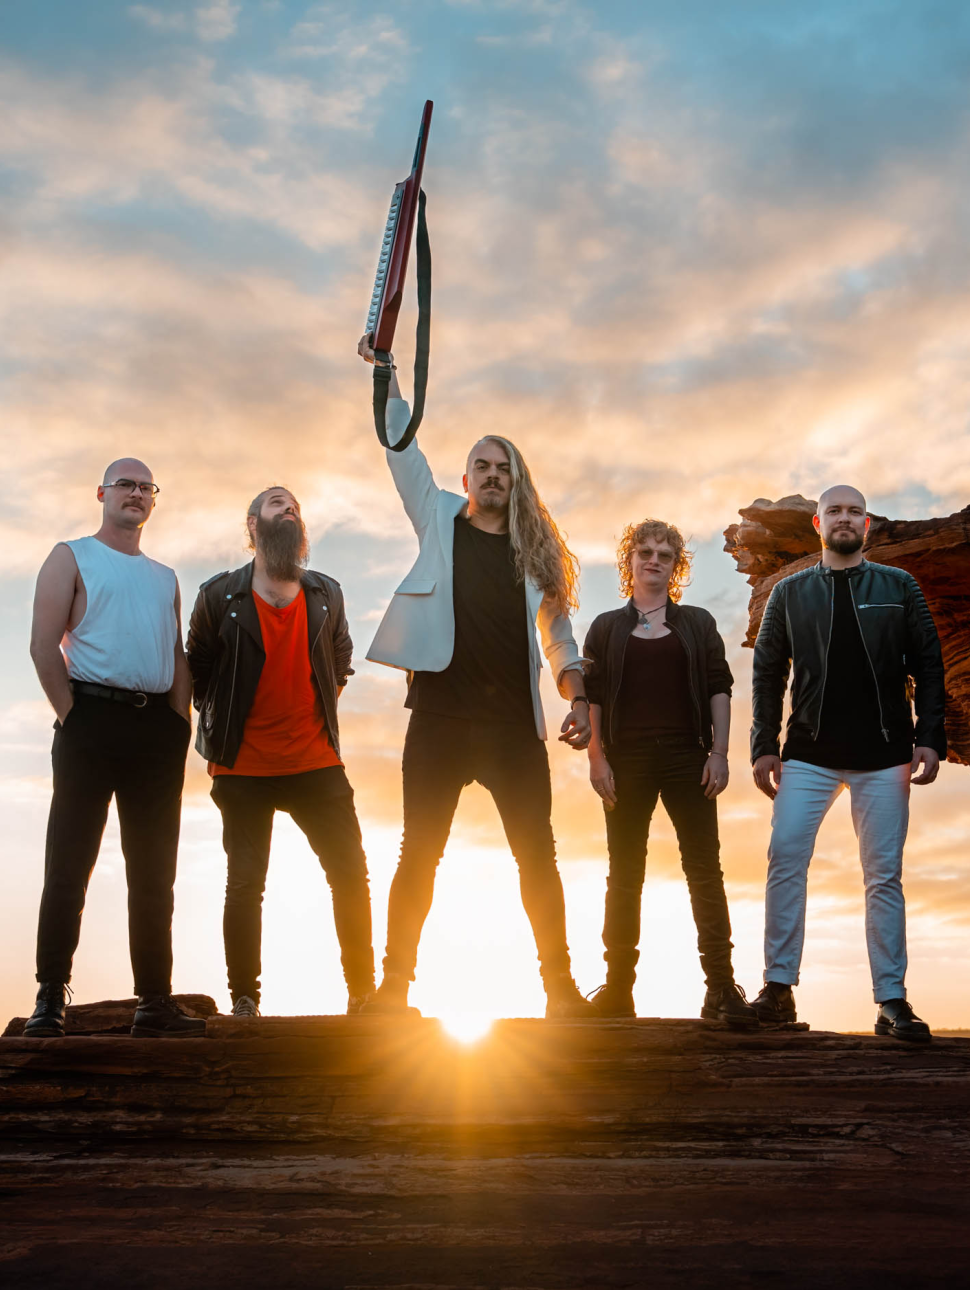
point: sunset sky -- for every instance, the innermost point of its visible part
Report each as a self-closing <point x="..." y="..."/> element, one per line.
<point x="685" y="255"/>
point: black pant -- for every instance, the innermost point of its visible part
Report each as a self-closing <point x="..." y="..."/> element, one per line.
<point x="442" y="755"/>
<point x="107" y="748"/>
<point x="669" y="768"/>
<point x="321" y="803"/>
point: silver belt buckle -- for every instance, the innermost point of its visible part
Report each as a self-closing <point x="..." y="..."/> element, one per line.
<point x="140" y="699"/>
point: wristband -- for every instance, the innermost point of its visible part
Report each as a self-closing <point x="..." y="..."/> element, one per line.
<point x="580" y="698"/>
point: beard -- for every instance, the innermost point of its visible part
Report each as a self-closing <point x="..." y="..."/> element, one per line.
<point x="284" y="546"/>
<point x="845" y="542"/>
<point x="493" y="501"/>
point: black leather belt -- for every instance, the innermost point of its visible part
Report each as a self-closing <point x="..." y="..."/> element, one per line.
<point x="136" y="698"/>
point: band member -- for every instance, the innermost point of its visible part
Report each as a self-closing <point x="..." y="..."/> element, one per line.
<point x="660" y="708"/>
<point x="491" y="565"/>
<point x="107" y="645"/>
<point x="851" y="633"/>
<point x="269" y="651"/>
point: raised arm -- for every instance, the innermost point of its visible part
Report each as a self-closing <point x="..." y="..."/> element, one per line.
<point x="57" y="586"/>
<point x="409" y="469"/>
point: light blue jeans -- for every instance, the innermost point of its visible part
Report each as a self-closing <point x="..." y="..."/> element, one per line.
<point x="880" y="816"/>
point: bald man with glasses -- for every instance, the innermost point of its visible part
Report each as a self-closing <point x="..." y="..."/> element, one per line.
<point x="106" y="642"/>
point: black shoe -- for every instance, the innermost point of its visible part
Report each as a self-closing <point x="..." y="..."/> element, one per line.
<point x="158" y="1016"/>
<point x="565" y="1003"/>
<point x="728" y="1003"/>
<point x="390" y="999"/>
<point x="614" y="1001"/>
<point x="775" y="1005"/>
<point x="356" y="1001"/>
<point x="897" y="1019"/>
<point x="47" y="1019"/>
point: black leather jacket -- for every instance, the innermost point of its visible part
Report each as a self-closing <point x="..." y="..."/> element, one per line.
<point x="224" y="647"/>
<point x="696" y="630"/>
<point x="900" y="641"/>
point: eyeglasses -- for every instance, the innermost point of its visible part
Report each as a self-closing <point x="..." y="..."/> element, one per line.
<point x="128" y="485"/>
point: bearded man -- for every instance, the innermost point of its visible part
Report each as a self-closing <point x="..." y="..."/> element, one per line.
<point x="491" y="567"/>
<point x="852" y="634"/>
<point x="269" y="651"/>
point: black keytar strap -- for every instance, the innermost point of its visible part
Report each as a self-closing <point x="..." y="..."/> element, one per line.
<point x="382" y="375"/>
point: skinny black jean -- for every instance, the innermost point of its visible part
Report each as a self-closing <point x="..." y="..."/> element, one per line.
<point x="442" y="755"/>
<point x="108" y="749"/>
<point x="321" y="804"/>
<point x="667" y="768"/>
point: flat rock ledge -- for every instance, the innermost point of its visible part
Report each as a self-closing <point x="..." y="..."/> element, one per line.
<point x="365" y="1152"/>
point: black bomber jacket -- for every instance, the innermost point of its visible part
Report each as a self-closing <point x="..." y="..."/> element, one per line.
<point x="695" y="628"/>
<point x="900" y="641"/>
<point x="224" y="647"/>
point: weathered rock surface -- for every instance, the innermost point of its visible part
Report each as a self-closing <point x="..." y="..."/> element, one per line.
<point x="372" y="1152"/>
<point x="775" y="539"/>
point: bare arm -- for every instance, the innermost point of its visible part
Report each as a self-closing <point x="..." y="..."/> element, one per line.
<point x="53" y="599"/>
<point x="180" y="695"/>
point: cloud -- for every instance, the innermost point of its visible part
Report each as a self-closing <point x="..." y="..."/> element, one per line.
<point x="158" y="19"/>
<point x="217" y="20"/>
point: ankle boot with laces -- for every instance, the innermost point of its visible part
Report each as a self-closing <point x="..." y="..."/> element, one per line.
<point x="47" y="1019"/>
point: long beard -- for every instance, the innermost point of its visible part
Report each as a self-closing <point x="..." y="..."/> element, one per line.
<point x="284" y="546"/>
<point x="845" y="543"/>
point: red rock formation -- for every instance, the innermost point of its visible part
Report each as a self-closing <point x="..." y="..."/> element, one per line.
<point x="775" y="539"/>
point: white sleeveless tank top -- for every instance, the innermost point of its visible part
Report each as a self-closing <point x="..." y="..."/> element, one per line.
<point x="127" y="635"/>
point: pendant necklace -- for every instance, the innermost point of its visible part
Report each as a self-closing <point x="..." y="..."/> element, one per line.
<point x="644" y="615"/>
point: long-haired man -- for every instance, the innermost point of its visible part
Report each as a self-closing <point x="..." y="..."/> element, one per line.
<point x="269" y="651"/>
<point x="491" y="566"/>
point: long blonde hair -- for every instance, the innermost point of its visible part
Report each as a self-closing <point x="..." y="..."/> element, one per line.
<point x="539" y="548"/>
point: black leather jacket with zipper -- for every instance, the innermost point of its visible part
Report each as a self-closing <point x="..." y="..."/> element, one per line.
<point x="900" y="641"/>
<point x="708" y="672"/>
<point x="224" y="646"/>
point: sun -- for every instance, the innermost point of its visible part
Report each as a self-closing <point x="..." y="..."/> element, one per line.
<point x="466" y="1027"/>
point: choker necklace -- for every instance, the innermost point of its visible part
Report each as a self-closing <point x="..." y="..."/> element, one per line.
<point x="644" y="615"/>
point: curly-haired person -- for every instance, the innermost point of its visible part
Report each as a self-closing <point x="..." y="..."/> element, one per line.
<point x="660" y="711"/>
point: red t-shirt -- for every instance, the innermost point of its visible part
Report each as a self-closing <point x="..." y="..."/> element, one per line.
<point x="285" y="732"/>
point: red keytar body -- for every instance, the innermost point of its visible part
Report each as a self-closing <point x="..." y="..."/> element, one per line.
<point x="393" y="264"/>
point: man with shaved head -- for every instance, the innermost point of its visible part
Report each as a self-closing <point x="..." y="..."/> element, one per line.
<point x="269" y="651"/>
<point x="491" y="567"/>
<point x="854" y="636"/>
<point x="107" y="644"/>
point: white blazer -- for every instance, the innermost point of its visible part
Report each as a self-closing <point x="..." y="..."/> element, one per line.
<point x="417" y="632"/>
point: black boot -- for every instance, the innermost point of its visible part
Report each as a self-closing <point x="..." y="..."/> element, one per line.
<point x="564" y="1002"/>
<point x="728" y="1003"/>
<point x="390" y="999"/>
<point x="158" y="1016"/>
<point x="47" y="1019"/>
<point x="775" y="1005"/>
<point x="615" y="999"/>
<point x="897" y="1019"/>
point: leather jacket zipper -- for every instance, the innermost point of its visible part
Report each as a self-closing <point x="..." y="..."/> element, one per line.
<point x="690" y="681"/>
<point x="232" y="692"/>
<point x="875" y="679"/>
<point x="825" y="664"/>
<point x="616" y="687"/>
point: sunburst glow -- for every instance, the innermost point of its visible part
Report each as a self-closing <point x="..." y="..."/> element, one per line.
<point x="466" y="1027"/>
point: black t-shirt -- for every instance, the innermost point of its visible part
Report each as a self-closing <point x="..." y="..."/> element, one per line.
<point x="488" y="676"/>
<point x="654" y="695"/>
<point x="849" y="734"/>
